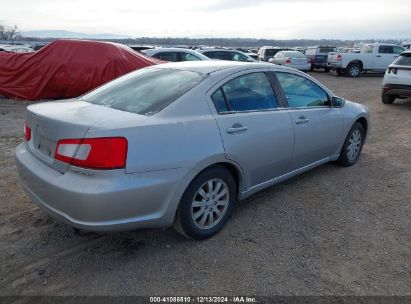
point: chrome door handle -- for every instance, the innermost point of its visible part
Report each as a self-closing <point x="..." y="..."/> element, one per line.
<point x="237" y="128"/>
<point x="378" y="55"/>
<point x="302" y="120"/>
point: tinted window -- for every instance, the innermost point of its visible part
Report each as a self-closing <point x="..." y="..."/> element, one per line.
<point x="302" y="92"/>
<point x="326" y="50"/>
<point x="146" y="91"/>
<point x="404" y="59"/>
<point x="386" y="49"/>
<point x="218" y="55"/>
<point x="188" y="57"/>
<point x="167" y="56"/>
<point x="245" y="93"/>
<point x="271" y="52"/>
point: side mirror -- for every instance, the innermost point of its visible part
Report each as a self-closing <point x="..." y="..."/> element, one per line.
<point x="337" y="102"/>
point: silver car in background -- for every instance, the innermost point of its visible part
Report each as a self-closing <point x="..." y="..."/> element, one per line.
<point x="292" y="59"/>
<point x="179" y="143"/>
<point x="226" y="54"/>
<point x="175" y="54"/>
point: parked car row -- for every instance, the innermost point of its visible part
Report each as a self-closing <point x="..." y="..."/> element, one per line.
<point x="375" y="57"/>
<point x="15" y="48"/>
<point x="397" y="79"/>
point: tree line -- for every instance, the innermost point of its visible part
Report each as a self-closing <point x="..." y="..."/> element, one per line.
<point x="9" y="33"/>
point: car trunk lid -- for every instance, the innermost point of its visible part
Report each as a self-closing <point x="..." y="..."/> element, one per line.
<point x="52" y="121"/>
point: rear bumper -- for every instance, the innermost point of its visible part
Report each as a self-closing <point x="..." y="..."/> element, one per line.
<point x="301" y="67"/>
<point x="396" y="89"/>
<point x="102" y="200"/>
<point x="319" y="64"/>
<point x="334" y="65"/>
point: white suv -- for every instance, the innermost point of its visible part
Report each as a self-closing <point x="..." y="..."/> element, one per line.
<point x="397" y="79"/>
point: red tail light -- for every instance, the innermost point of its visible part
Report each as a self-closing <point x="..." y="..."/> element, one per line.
<point x="27" y="132"/>
<point x="94" y="153"/>
<point x="288" y="60"/>
<point x="339" y="58"/>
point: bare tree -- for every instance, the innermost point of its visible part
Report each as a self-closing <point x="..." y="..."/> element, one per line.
<point x="2" y="32"/>
<point x="13" y="33"/>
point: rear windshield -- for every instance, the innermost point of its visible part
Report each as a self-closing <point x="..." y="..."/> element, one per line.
<point x="146" y="91"/>
<point x="294" y="54"/>
<point x="271" y="52"/>
<point x="326" y="50"/>
<point x="404" y="59"/>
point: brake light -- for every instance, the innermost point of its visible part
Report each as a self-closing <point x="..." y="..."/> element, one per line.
<point x="94" y="153"/>
<point x="339" y="58"/>
<point x="288" y="60"/>
<point x="27" y="132"/>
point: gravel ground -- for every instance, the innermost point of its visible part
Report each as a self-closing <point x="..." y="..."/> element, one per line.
<point x="330" y="231"/>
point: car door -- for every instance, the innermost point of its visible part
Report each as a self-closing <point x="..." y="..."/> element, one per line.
<point x="384" y="57"/>
<point x="317" y="125"/>
<point x="256" y="130"/>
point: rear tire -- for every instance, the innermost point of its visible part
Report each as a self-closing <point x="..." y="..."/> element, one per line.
<point x="327" y="70"/>
<point x="207" y="204"/>
<point x="352" y="147"/>
<point x="387" y="99"/>
<point x="353" y="70"/>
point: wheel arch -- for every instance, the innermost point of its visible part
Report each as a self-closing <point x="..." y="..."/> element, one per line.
<point x="233" y="168"/>
<point x="356" y="61"/>
<point x="364" y="122"/>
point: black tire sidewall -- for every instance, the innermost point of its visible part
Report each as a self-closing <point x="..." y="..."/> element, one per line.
<point x="184" y="210"/>
<point x="387" y="99"/>
<point x="343" y="160"/>
<point x="348" y="71"/>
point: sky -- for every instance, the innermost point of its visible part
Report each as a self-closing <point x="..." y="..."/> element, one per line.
<point x="275" y="19"/>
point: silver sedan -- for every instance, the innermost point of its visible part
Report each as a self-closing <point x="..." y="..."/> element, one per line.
<point x="292" y="59"/>
<point x="179" y="143"/>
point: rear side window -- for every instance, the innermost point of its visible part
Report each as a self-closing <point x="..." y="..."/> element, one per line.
<point x="404" y="59"/>
<point x="245" y="93"/>
<point x="167" y="56"/>
<point x="302" y="92"/>
<point x="326" y="50"/>
<point x="188" y="57"/>
<point x="146" y="91"/>
<point x="238" y="57"/>
<point x="386" y="49"/>
<point x="218" y="55"/>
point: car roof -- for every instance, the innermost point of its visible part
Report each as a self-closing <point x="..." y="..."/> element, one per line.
<point x="217" y="50"/>
<point x="211" y="66"/>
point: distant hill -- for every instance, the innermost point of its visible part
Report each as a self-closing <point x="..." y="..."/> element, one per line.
<point x="68" y="34"/>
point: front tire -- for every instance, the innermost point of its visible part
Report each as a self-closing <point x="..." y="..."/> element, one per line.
<point x="207" y="204"/>
<point x="353" y="70"/>
<point x="387" y="99"/>
<point x="352" y="147"/>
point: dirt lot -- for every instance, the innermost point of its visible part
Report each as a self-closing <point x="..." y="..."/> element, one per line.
<point x="331" y="231"/>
